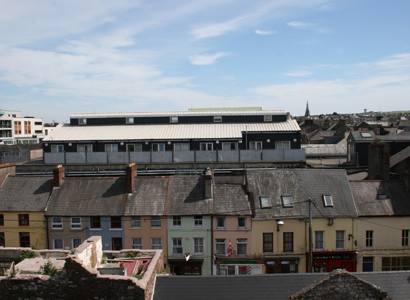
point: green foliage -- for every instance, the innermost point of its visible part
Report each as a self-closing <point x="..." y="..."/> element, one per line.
<point x="48" y="269"/>
<point x="104" y="258"/>
<point x="334" y="113"/>
<point x="73" y="251"/>
<point x="132" y="254"/>
<point x="378" y="141"/>
<point x="393" y="118"/>
<point x="25" y="254"/>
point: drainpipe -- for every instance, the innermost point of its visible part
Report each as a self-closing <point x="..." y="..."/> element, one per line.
<point x="47" y="241"/>
<point x="212" y="245"/>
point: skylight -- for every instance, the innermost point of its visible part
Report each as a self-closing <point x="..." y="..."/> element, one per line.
<point x="366" y="134"/>
<point x="265" y="202"/>
<point x="287" y="201"/>
<point x="327" y="200"/>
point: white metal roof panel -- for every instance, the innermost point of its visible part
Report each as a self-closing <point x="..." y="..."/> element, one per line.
<point x="165" y="131"/>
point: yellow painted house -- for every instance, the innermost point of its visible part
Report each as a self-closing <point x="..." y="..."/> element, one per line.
<point x="22" y="207"/>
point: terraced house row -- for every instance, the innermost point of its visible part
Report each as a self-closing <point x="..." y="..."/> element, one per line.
<point x="233" y="222"/>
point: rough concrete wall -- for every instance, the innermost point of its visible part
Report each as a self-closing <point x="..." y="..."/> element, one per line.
<point x="154" y="269"/>
<point x="5" y="170"/>
<point x="90" y="252"/>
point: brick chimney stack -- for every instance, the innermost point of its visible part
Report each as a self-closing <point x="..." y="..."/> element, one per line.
<point x="131" y="173"/>
<point x="379" y="161"/>
<point x="209" y="193"/>
<point x="59" y="174"/>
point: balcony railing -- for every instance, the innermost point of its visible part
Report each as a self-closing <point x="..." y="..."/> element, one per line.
<point x="174" y="156"/>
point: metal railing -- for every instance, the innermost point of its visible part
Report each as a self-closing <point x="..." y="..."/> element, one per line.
<point x="14" y="157"/>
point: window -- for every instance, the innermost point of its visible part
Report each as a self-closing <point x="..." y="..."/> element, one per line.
<point x="76" y="223"/>
<point x="173" y="119"/>
<point x="220" y="246"/>
<point x="95" y="222"/>
<point x="268" y="242"/>
<point x="285" y="145"/>
<point x="158" y="147"/>
<point x="77" y="242"/>
<point x="111" y="148"/>
<point x="340" y="240"/>
<point x="176" y="221"/>
<point x="396" y="263"/>
<point x="229" y="146"/>
<point x="2" y="240"/>
<point x="38" y="123"/>
<point x="181" y="147"/>
<point x="24" y="220"/>
<point x="217" y="118"/>
<point x="255" y="145"/>
<point x="327" y="200"/>
<point x="198" y="245"/>
<point x="135" y="222"/>
<point x="206" y="146"/>
<point x="38" y="132"/>
<point x="129" y="120"/>
<point x="369" y="238"/>
<point x="198" y="222"/>
<point x="319" y="240"/>
<point x="57" y="148"/>
<point x="57" y="223"/>
<point x="134" y="147"/>
<point x="82" y="121"/>
<point x="241" y="223"/>
<point x="242" y="246"/>
<point x="155" y="222"/>
<point x="265" y="202"/>
<point x="58" y="243"/>
<point x="287" y="201"/>
<point x="267" y="118"/>
<point x="116" y="244"/>
<point x="116" y="222"/>
<point x="405" y="237"/>
<point x="156" y="243"/>
<point x="24" y="239"/>
<point x="1" y="220"/>
<point x="84" y="148"/>
<point x="220" y="223"/>
<point x="136" y="243"/>
<point x="288" y="242"/>
<point x="177" y="246"/>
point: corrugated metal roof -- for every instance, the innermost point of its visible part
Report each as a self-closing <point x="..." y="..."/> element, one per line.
<point x="165" y="131"/>
<point x="180" y="113"/>
<point x="358" y="137"/>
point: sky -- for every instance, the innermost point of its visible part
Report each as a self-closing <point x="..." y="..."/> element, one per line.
<point x="63" y="57"/>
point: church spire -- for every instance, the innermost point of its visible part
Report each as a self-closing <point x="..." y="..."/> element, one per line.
<point x="307" y="112"/>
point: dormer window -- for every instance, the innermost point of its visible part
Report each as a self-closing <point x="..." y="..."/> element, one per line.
<point x="173" y="119"/>
<point x="218" y="119"/>
<point x="287" y="201"/>
<point x="82" y="121"/>
<point x="327" y="200"/>
<point x="129" y="120"/>
<point x="265" y="202"/>
<point x="267" y="118"/>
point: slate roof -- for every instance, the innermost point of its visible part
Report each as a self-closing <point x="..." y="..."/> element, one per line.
<point x="88" y="197"/>
<point x="25" y="193"/>
<point x="261" y="287"/>
<point x="398" y="137"/>
<point x="231" y="199"/>
<point x="149" y="196"/>
<point x="301" y="184"/>
<point x="399" y="156"/>
<point x="187" y="196"/>
<point x="368" y="203"/>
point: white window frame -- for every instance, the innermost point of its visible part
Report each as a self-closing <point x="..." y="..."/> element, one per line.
<point x="82" y="121"/>
<point x="340" y="241"/>
<point x="136" y="222"/>
<point x="175" y="221"/>
<point x="73" y="244"/>
<point x="155" y="222"/>
<point x="198" y="222"/>
<point x="217" y="119"/>
<point x="136" y="243"/>
<point x="182" y="147"/>
<point x="223" y="221"/>
<point x="156" y="245"/>
<point x="159" y="147"/>
<point x="265" y="201"/>
<point x="85" y="148"/>
<point x="129" y="120"/>
<point x="405" y="237"/>
<point x="282" y="145"/>
<point x="255" y="145"/>
<point x="177" y="248"/>
<point x="173" y="119"/>
<point x="222" y="246"/>
<point x="76" y="225"/>
<point x="369" y="238"/>
<point x="199" y="246"/>
<point x="242" y="226"/>
<point x="227" y="146"/>
<point x="62" y="244"/>
<point x="327" y="200"/>
<point x="137" y="147"/>
<point x="57" y="223"/>
<point x="111" y="147"/>
<point x="244" y="243"/>
<point x="206" y="146"/>
<point x="319" y="239"/>
<point x="57" y="148"/>
<point x="267" y="118"/>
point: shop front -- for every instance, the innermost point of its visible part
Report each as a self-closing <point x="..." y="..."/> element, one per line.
<point x="183" y="267"/>
<point x="331" y="260"/>
<point x="237" y="267"/>
<point x="281" y="265"/>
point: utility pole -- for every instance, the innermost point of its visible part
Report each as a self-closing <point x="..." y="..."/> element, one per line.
<point x="310" y="237"/>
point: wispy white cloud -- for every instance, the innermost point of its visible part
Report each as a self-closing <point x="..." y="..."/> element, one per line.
<point x="202" y="60"/>
<point x="300" y="73"/>
<point x="216" y="29"/>
<point x="264" y="32"/>
<point x="309" y="26"/>
<point x="299" y="24"/>
<point x="229" y="77"/>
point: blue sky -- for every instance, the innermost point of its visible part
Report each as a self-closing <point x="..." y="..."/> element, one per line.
<point x="63" y="57"/>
